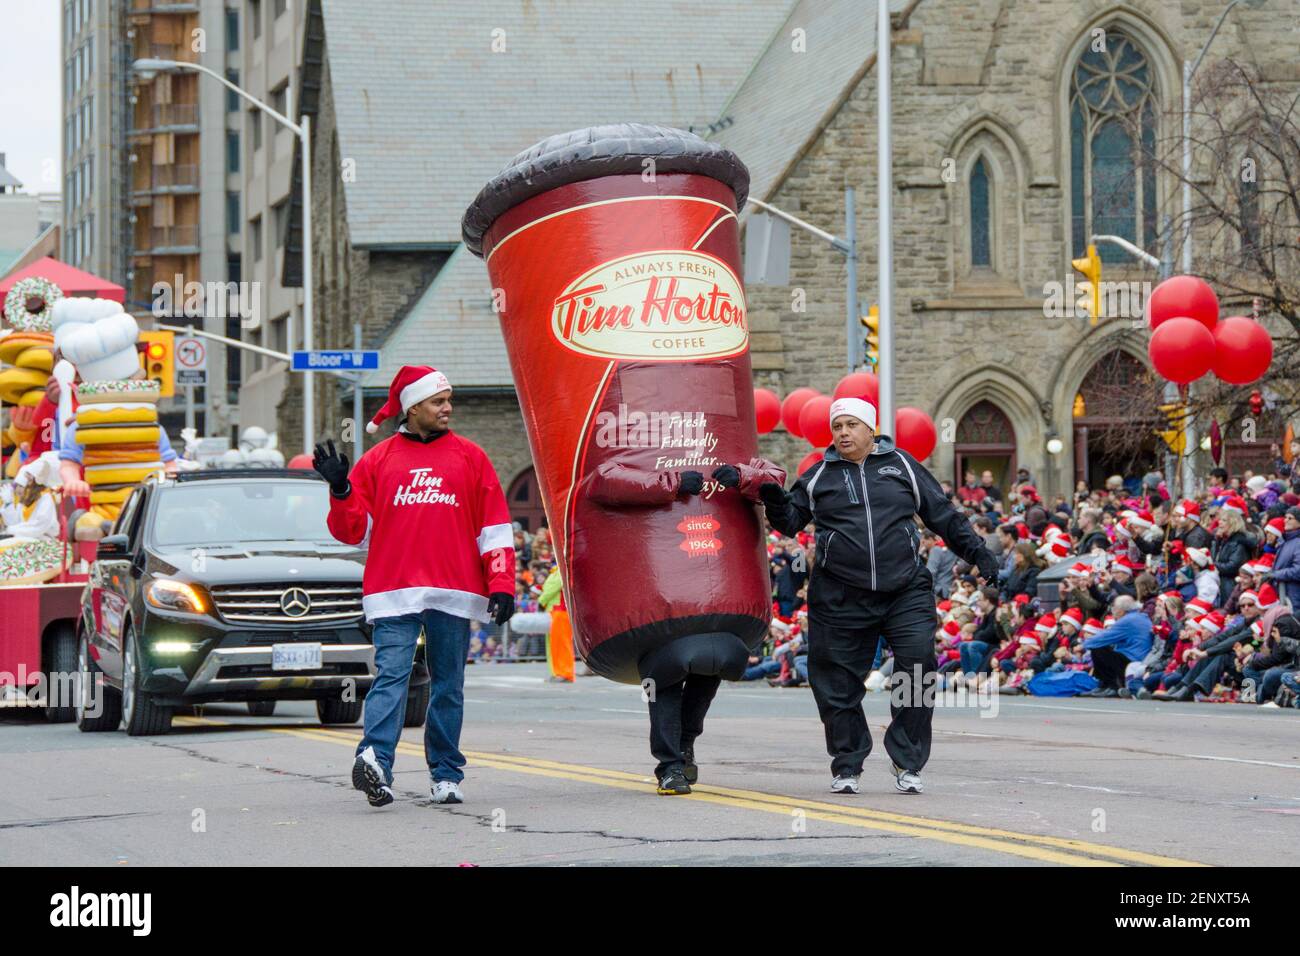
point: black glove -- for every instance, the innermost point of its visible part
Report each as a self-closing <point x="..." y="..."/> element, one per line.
<point x="692" y="483"/>
<point x="332" y="465"/>
<point x="727" y="475"/>
<point x="772" y="494"/>
<point x="988" y="565"/>
<point x="501" y="607"/>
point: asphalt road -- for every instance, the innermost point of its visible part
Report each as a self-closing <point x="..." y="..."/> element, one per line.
<point x="560" y="775"/>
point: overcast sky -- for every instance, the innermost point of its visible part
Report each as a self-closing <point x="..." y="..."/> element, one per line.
<point x="30" y="86"/>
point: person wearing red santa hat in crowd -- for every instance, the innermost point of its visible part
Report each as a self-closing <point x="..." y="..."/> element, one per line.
<point x="441" y="553"/>
<point x="1233" y="544"/>
<point x="870" y="581"/>
<point x="1201" y="574"/>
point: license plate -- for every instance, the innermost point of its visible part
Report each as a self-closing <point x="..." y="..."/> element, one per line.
<point x="295" y="657"/>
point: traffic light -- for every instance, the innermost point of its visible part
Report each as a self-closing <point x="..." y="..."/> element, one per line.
<point x="1176" y="414"/>
<point x="871" y="321"/>
<point x="1090" y="267"/>
<point x="158" y="359"/>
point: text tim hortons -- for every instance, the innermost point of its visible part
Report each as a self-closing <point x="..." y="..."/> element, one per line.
<point x="668" y="306"/>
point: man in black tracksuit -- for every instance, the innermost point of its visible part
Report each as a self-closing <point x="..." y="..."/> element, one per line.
<point x="869" y="580"/>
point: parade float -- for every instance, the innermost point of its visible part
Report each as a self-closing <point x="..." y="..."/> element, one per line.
<point x="43" y="567"/>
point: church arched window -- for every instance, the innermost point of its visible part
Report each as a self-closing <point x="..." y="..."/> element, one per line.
<point x="1112" y="141"/>
<point x="981" y="241"/>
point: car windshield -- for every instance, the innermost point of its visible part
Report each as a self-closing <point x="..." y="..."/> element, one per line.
<point x="221" y="513"/>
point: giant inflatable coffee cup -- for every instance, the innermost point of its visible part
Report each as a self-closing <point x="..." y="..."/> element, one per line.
<point x="614" y="257"/>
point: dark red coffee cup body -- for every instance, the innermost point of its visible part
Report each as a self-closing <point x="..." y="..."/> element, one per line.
<point x="625" y="321"/>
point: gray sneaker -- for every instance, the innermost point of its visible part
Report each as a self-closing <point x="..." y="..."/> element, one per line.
<point x="369" y="777"/>
<point x="444" y="791"/>
<point x="844" y="784"/>
<point x="907" y="781"/>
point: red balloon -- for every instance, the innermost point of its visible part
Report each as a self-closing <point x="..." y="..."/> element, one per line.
<point x="859" y="385"/>
<point x="792" y="406"/>
<point x="914" y="432"/>
<point x="815" y="420"/>
<point x="1243" y="350"/>
<point x="300" y="461"/>
<point x="1183" y="297"/>
<point x="809" y="460"/>
<point x="767" y="410"/>
<point x="1181" y="349"/>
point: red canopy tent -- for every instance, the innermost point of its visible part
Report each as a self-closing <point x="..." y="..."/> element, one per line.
<point x="71" y="280"/>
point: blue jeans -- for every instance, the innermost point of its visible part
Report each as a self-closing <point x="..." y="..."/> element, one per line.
<point x="1267" y="682"/>
<point x="762" y="669"/>
<point x="446" y="646"/>
<point x="972" y="652"/>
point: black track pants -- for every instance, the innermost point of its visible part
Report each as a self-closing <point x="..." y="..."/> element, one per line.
<point x="677" y="718"/>
<point x="845" y="624"/>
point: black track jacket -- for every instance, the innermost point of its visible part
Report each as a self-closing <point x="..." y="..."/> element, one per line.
<point x="863" y="513"/>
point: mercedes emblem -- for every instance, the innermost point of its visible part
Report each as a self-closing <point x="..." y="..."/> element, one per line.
<point x="295" y="602"/>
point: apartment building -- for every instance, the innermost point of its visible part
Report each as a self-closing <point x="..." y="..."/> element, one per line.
<point x="94" y="102"/>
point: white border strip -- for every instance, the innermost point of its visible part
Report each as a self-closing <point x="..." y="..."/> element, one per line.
<point x="602" y="202"/>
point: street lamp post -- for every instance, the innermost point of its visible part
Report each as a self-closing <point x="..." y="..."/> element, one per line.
<point x="148" y="67"/>
<point x="885" y="214"/>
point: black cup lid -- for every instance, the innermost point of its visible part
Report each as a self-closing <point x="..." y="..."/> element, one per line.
<point x="596" y="151"/>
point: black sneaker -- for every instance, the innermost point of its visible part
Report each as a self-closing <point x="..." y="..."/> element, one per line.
<point x="673" y="783"/>
<point x="368" y="777"/>
<point x="691" y="772"/>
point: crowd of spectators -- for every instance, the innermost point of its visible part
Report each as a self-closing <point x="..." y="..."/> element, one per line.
<point x="1119" y="591"/>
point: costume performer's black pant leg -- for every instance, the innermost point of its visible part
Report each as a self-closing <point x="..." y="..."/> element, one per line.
<point x="677" y="718"/>
<point x="845" y="623"/>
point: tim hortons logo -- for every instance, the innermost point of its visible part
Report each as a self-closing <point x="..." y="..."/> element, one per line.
<point x="664" y="306"/>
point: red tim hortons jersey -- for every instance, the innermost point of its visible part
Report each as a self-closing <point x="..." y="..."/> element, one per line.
<point x="439" y="530"/>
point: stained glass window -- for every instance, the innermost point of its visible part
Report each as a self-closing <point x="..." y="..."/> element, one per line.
<point x="1112" y="145"/>
<point x="979" y="215"/>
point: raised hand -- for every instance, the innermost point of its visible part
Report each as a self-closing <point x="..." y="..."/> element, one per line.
<point x="332" y="465"/>
<point x="692" y="483"/>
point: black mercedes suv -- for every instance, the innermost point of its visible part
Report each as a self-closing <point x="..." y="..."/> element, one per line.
<point x="226" y="586"/>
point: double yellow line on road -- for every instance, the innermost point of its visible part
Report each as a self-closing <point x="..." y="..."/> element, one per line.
<point x="1044" y="849"/>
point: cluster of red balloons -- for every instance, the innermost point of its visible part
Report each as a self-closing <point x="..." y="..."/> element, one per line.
<point x="1188" y="338"/>
<point x="805" y="412"/>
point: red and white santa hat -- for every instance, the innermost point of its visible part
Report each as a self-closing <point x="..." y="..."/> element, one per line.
<point x="1056" y="548"/>
<point x="1187" y="508"/>
<point x="1250" y="596"/>
<point x="1141" y="520"/>
<point x="1199" y="556"/>
<point x="1212" y="623"/>
<point x="1257" y="628"/>
<point x="1092" y="626"/>
<point x="1197" y="608"/>
<point x="1266" y="598"/>
<point x="1276" y="527"/>
<point x="1080" y="569"/>
<point x="1235" y="503"/>
<point x="1073" y="617"/>
<point x="951" y="628"/>
<point x="1045" y="624"/>
<point x="411" y="385"/>
<point x="1263" y="563"/>
<point x="860" y="408"/>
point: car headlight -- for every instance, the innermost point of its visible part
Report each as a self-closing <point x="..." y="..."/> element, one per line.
<point x="176" y="596"/>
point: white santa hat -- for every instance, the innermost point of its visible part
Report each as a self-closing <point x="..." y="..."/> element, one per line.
<point x="861" y="409"/>
<point x="411" y="385"/>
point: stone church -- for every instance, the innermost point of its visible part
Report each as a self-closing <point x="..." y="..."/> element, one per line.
<point x="1019" y="130"/>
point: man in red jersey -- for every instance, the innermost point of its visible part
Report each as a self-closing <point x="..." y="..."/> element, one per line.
<point x="441" y="552"/>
